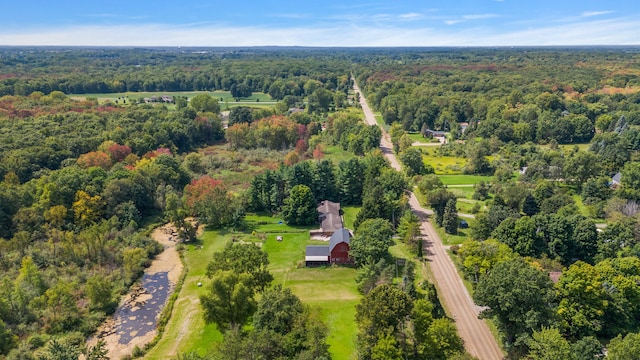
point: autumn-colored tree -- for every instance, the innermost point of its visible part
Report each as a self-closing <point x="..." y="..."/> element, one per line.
<point x="209" y="199"/>
<point x="292" y="158"/>
<point x="56" y="215"/>
<point x="318" y="154"/>
<point x="118" y="152"/>
<point x="301" y="147"/>
<point x="95" y="158"/>
<point x="157" y="152"/>
<point x="87" y="208"/>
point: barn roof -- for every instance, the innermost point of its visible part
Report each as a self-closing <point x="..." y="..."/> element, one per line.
<point x="317" y="253"/>
<point x="338" y="237"/>
<point x="330" y="219"/>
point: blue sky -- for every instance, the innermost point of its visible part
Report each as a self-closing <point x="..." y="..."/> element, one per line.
<point x="320" y="23"/>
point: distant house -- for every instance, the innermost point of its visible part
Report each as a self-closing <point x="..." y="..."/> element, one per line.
<point x="616" y="180"/>
<point x="463" y="127"/>
<point x="329" y="217"/>
<point x="337" y="252"/>
<point x="295" y="110"/>
<point x="555" y="276"/>
<point x="434" y="133"/>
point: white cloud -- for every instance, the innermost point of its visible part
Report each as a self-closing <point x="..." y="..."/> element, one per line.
<point x="410" y="16"/>
<point x="595" y="13"/>
<point x="620" y="31"/>
<point x="453" y="22"/>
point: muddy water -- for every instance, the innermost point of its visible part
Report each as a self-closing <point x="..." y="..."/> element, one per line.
<point x="135" y="321"/>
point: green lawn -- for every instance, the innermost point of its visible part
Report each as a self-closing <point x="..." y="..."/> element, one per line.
<point x="464" y="179"/>
<point x="448" y="239"/>
<point x="330" y="291"/>
<point x="569" y="147"/>
<point x="465" y="192"/>
<point x="417" y="137"/>
<point x="336" y="154"/>
<point x="465" y="205"/>
<point x="381" y="122"/>
<point x="350" y="213"/>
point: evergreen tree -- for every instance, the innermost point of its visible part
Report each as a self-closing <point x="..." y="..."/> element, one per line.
<point x="530" y="205"/>
<point x="450" y="218"/>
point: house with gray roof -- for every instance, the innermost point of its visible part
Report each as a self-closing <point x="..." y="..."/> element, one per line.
<point x="329" y="216"/>
<point x="616" y="180"/>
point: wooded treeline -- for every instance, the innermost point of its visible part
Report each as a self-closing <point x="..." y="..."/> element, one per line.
<point x="516" y="95"/>
<point x="86" y="71"/>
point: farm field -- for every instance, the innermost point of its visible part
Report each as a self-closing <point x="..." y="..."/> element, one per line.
<point x="330" y="291"/>
<point x="256" y="99"/>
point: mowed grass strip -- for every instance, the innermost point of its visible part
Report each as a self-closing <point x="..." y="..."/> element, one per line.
<point x="330" y="291"/>
<point x="464" y="179"/>
<point x="186" y="330"/>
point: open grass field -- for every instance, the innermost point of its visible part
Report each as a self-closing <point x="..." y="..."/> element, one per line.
<point x="417" y="137"/>
<point x="466" y="206"/>
<point x="336" y="154"/>
<point x="222" y="96"/>
<point x="569" y="147"/>
<point x="330" y="291"/>
<point x="464" y="179"/>
<point x="444" y="165"/>
<point x="226" y="101"/>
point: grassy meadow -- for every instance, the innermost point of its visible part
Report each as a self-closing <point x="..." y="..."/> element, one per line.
<point x="444" y="165"/>
<point x="460" y="179"/>
<point x="224" y="97"/>
<point x="330" y="291"/>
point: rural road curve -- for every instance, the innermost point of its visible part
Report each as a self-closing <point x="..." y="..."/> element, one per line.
<point x="478" y="340"/>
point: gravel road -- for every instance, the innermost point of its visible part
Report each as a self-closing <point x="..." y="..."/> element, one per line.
<point x="477" y="338"/>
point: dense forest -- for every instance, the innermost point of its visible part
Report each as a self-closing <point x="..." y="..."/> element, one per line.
<point x="278" y="73"/>
<point x="547" y="129"/>
<point x="549" y="209"/>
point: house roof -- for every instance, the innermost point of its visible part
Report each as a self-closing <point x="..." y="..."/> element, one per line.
<point x="338" y="237"/>
<point x="317" y="253"/>
<point x="330" y="219"/>
<point x="435" y="133"/>
<point x="617" y="178"/>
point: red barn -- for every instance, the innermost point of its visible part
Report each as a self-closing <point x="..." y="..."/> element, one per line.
<point x="339" y="247"/>
<point x="336" y="253"/>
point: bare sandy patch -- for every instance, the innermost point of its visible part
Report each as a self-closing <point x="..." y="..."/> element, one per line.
<point x="113" y="330"/>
